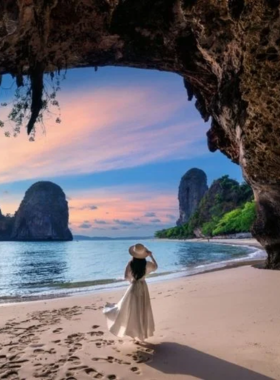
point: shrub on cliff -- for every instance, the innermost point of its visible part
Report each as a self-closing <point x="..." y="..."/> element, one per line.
<point x="239" y="220"/>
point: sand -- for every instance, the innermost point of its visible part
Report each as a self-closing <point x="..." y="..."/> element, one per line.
<point x="250" y="241"/>
<point x="221" y="325"/>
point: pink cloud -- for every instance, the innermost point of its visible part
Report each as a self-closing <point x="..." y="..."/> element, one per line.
<point x="119" y="206"/>
<point x="111" y="128"/>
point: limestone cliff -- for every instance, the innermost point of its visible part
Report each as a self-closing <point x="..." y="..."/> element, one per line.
<point x="42" y="215"/>
<point x="224" y="195"/>
<point x="192" y="188"/>
<point x="227" y="52"/>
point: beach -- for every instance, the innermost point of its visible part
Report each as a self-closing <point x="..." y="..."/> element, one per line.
<point x="218" y="325"/>
<point x="249" y="241"/>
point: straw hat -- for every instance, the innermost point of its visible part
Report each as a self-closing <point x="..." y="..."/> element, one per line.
<point x="138" y="251"/>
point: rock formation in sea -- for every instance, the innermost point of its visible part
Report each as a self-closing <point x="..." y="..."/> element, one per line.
<point x="192" y="188"/>
<point x="42" y="215"/>
<point x="6" y="226"/>
<point x="227" y="53"/>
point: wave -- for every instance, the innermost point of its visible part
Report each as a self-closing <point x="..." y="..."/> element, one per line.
<point x="256" y="254"/>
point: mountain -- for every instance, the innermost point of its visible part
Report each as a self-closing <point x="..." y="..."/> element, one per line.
<point x="43" y="215"/>
<point x="192" y="188"/>
<point x="97" y="238"/>
<point x="226" y="207"/>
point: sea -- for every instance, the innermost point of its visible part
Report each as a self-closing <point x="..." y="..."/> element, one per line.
<point x="35" y="270"/>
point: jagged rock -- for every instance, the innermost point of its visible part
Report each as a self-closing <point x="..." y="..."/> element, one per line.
<point x="226" y="51"/>
<point x="43" y="214"/>
<point x="192" y="188"/>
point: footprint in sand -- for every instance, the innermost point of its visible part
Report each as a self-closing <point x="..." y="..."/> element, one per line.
<point x="77" y="346"/>
<point x="51" y="351"/>
<point x="111" y="377"/>
<point x="58" y="330"/>
<point x="17" y="349"/>
<point x="111" y="359"/>
<point x="47" y="370"/>
<point x="17" y="362"/>
<point x="78" y="368"/>
<point x="135" y="370"/>
<point x="3" y="358"/>
<point x="38" y="351"/>
<point x="95" y="327"/>
<point x="98" y="376"/>
<point x="90" y="371"/>
<point x="96" y="333"/>
<point x="74" y="359"/>
<point x="10" y="375"/>
<point x="141" y="357"/>
<point x="29" y="338"/>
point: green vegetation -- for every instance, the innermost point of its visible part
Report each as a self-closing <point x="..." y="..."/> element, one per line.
<point x="226" y="208"/>
<point x="239" y="220"/>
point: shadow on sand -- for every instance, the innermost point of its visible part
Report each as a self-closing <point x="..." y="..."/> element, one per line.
<point x="173" y="358"/>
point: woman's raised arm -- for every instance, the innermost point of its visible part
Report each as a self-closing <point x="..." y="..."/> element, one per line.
<point x="153" y="260"/>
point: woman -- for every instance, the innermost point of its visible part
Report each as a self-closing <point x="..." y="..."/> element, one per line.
<point x="132" y="315"/>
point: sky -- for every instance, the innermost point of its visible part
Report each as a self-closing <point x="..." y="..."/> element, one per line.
<point x="126" y="138"/>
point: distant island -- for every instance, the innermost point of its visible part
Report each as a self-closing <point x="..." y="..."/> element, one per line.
<point x="97" y="238"/>
<point x="43" y="215"/>
<point x="226" y="208"/>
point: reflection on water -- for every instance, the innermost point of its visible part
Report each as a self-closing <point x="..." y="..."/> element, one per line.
<point x="198" y="254"/>
<point x="47" y="267"/>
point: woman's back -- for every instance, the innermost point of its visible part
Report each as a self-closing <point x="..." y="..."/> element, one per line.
<point x="129" y="275"/>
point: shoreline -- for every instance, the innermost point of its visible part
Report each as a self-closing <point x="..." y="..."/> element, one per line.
<point x="157" y="278"/>
<point x="243" y="242"/>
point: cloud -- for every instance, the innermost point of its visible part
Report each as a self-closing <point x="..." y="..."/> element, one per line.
<point x="123" y="222"/>
<point x="85" y="225"/>
<point x="114" y="228"/>
<point x="107" y="129"/>
<point x="86" y="207"/>
<point x="125" y="206"/>
<point x="155" y="221"/>
<point x="171" y="217"/>
<point x="150" y="215"/>
<point x="98" y="221"/>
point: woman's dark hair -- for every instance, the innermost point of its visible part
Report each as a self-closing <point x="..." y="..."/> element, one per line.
<point x="138" y="268"/>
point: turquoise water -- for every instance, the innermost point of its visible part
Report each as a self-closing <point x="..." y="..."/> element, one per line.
<point x="53" y="269"/>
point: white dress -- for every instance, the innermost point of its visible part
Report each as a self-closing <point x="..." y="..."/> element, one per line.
<point x="132" y="316"/>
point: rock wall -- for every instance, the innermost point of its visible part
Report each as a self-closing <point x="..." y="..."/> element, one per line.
<point x="42" y="215"/>
<point x="192" y="188"/>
